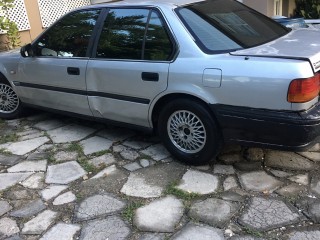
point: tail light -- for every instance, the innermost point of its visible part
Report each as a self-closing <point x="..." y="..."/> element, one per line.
<point x="304" y="90"/>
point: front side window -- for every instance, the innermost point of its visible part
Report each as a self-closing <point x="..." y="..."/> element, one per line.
<point x="226" y="25"/>
<point x="69" y="37"/>
<point x="135" y="34"/>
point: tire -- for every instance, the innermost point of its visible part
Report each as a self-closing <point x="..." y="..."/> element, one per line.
<point x="189" y="132"/>
<point x="10" y="104"/>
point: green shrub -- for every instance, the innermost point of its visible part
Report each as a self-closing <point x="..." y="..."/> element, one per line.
<point x="8" y="26"/>
<point x="309" y="9"/>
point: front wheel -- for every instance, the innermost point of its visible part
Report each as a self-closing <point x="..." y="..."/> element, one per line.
<point x="10" y="105"/>
<point x="189" y="132"/>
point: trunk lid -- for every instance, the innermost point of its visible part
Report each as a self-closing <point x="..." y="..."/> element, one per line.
<point x="298" y="44"/>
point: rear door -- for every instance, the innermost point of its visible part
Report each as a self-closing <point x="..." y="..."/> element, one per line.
<point x="55" y="76"/>
<point x="130" y="65"/>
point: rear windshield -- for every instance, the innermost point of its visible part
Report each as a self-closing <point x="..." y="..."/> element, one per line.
<point x="226" y="25"/>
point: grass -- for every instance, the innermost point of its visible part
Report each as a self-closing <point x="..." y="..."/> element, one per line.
<point x="5" y="152"/>
<point x="86" y="165"/>
<point x="2" y="123"/>
<point x="8" y="138"/>
<point x="253" y="232"/>
<point x="128" y="212"/>
<point x="173" y="190"/>
<point x="51" y="158"/>
<point x="75" y="147"/>
<point x="98" y="154"/>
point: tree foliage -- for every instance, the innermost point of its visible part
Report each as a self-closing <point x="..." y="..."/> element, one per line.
<point x="8" y="26"/>
<point x="309" y="9"/>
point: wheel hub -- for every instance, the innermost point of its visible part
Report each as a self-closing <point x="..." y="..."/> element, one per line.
<point x="9" y="101"/>
<point x="186" y="131"/>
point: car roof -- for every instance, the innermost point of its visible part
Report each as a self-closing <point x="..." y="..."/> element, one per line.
<point x="146" y="2"/>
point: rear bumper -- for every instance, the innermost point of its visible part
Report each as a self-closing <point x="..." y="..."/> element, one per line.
<point x="294" y="131"/>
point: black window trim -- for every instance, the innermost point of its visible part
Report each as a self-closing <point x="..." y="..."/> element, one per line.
<point x="171" y="58"/>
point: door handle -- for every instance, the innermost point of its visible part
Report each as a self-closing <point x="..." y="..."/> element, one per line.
<point x="73" y="71"/>
<point x="150" y="76"/>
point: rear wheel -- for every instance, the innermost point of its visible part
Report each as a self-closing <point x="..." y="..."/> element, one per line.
<point x="10" y="105"/>
<point x="189" y="132"/>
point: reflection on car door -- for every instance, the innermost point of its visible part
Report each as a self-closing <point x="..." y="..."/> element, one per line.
<point x="55" y="76"/>
<point x="130" y="65"/>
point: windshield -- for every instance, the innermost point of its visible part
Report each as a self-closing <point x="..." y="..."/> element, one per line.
<point x="226" y="25"/>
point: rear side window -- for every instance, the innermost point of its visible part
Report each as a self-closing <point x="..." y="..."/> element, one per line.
<point x="136" y="34"/>
<point x="70" y="36"/>
<point x="226" y="25"/>
<point x="157" y="42"/>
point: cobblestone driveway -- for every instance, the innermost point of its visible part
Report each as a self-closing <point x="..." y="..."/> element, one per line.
<point x="63" y="178"/>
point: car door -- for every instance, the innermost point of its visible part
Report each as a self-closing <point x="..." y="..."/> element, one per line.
<point x="129" y="66"/>
<point x="54" y="77"/>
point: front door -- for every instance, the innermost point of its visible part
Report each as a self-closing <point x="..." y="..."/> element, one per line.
<point x="55" y="77"/>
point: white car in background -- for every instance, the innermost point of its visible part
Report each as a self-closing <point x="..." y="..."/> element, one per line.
<point x="201" y="73"/>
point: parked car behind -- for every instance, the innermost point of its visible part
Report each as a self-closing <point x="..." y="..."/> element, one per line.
<point x="201" y="73"/>
<point x="291" y="22"/>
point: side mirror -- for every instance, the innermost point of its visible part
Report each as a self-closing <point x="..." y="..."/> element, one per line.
<point x="27" y="51"/>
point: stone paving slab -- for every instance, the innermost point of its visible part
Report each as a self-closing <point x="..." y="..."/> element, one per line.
<point x="106" y="172"/>
<point x="104" y="160"/>
<point x="214" y="212"/>
<point x="29" y="166"/>
<point x="30" y="209"/>
<point x="150" y="183"/>
<point x="35" y="181"/>
<point x="111" y="228"/>
<point x="305" y="235"/>
<point x="24" y="147"/>
<point x="4" y="207"/>
<point x="288" y="160"/>
<point x="67" y="197"/>
<point x="40" y="223"/>
<point x="314" y="156"/>
<point x="64" y="156"/>
<point x="49" y="124"/>
<point x="95" y="144"/>
<point x="116" y="134"/>
<point x="199" y="231"/>
<point x="61" y="231"/>
<point x="264" y="214"/>
<point x="159" y="216"/>
<point x="198" y="182"/>
<point x="52" y="191"/>
<point x="98" y="205"/>
<point x="70" y="133"/>
<point x="8" y="227"/>
<point x="259" y="181"/>
<point x="156" y="152"/>
<point x="64" y="173"/>
<point x="9" y="160"/>
<point x="9" y="179"/>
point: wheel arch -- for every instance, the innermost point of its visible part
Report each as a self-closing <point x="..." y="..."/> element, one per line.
<point x="3" y="78"/>
<point x="160" y="103"/>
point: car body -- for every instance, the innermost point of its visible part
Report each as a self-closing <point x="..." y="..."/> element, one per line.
<point x="200" y="73"/>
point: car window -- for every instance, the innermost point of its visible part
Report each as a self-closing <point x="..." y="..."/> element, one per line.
<point x="208" y="35"/>
<point x="226" y="24"/>
<point x="69" y="37"/>
<point x="157" y="43"/>
<point x="122" y="34"/>
<point x="137" y="34"/>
